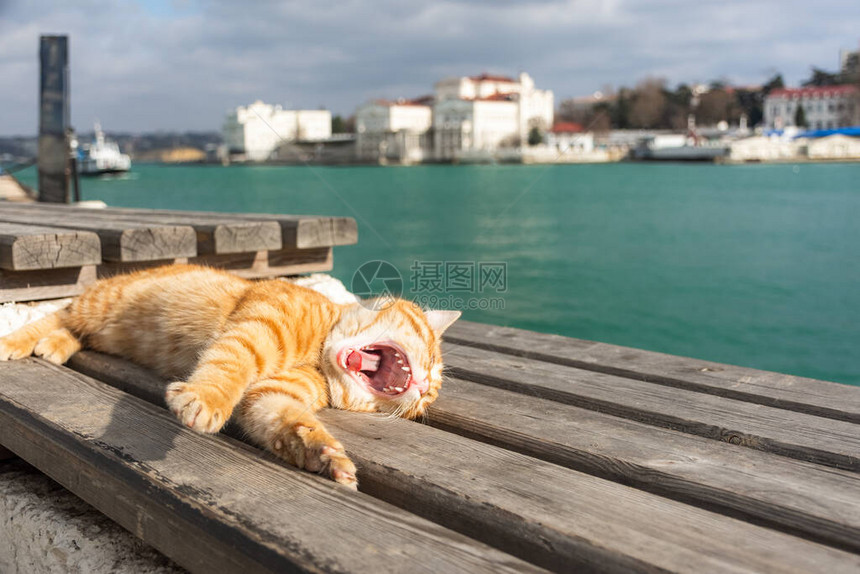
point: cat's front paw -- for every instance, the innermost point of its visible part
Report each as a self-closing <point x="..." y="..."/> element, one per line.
<point x="203" y="408"/>
<point x="313" y="449"/>
<point x="13" y="348"/>
<point x="57" y="347"/>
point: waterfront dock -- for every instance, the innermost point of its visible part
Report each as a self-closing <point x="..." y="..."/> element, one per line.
<point x="541" y="453"/>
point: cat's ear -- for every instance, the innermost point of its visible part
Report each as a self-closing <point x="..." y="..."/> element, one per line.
<point x="441" y="320"/>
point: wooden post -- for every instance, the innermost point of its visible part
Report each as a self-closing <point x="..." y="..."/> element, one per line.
<point x="54" y="164"/>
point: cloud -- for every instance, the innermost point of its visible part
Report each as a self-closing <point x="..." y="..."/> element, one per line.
<point x="181" y="64"/>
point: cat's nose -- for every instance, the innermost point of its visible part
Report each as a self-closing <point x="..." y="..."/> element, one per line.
<point x="423" y="385"/>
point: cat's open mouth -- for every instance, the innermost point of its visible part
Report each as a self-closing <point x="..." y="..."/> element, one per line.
<point x="382" y="367"/>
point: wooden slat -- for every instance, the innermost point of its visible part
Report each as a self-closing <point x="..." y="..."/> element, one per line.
<point x="805" y="437"/>
<point x="266" y="264"/>
<point x="120" y="241"/>
<point x="800" y="394"/>
<point x="29" y="247"/>
<point x="216" y="234"/>
<point x="211" y="504"/>
<point x="57" y="283"/>
<point x="221" y="233"/>
<point x="299" y="231"/>
<point x="259" y="265"/>
<point x="817" y="503"/>
<point x="559" y="518"/>
<point x="307" y="231"/>
<point x="319" y="232"/>
<point x="45" y="283"/>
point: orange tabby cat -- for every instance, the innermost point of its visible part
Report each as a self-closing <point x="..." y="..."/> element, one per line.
<point x="277" y="351"/>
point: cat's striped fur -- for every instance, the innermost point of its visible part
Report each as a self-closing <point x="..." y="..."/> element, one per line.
<point x="268" y="353"/>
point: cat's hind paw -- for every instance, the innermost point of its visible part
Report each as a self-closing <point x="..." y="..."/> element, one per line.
<point x="315" y="450"/>
<point x="203" y="408"/>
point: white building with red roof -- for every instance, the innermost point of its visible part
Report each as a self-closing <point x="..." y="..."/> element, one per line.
<point x="824" y="107"/>
<point x="569" y="137"/>
<point x="479" y="114"/>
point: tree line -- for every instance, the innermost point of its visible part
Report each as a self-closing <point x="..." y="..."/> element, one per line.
<point x="651" y="104"/>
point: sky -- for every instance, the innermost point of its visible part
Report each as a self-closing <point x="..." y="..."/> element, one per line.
<point x="177" y="65"/>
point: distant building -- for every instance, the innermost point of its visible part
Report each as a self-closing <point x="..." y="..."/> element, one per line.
<point x="396" y="131"/>
<point x="478" y="125"/>
<point x="479" y="114"/>
<point x="835" y="147"/>
<point x="825" y="107"/>
<point x="257" y="130"/>
<point x="569" y="137"/>
<point x="765" y="149"/>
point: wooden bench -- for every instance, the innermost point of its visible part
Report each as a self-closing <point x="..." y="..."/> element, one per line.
<point x="49" y="251"/>
<point x="541" y="453"/>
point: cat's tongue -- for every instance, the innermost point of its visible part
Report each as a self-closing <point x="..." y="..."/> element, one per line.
<point x="381" y="366"/>
<point x="360" y="360"/>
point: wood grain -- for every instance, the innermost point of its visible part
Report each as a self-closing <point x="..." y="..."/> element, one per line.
<point x="307" y="231"/>
<point x="821" y="398"/>
<point x="556" y="517"/>
<point x="120" y="241"/>
<point x="797" y="435"/>
<point x="268" y="264"/>
<point x="29" y="247"/>
<point x="45" y="283"/>
<point x="805" y="437"/>
<point x="820" y="504"/>
<point x="298" y="231"/>
<point x="208" y="502"/>
<point x="216" y="234"/>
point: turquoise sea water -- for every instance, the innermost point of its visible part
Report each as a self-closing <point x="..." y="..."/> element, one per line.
<point x="752" y="265"/>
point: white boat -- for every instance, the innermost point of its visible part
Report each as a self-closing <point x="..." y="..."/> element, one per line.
<point x="102" y="156"/>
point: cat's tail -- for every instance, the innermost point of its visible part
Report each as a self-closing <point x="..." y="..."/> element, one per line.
<point x="47" y="338"/>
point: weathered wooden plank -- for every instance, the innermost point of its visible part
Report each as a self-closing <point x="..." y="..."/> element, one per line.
<point x="800" y="394"/>
<point x="121" y="241"/>
<point x="216" y="234"/>
<point x="45" y="283"/>
<point x="788" y="433"/>
<point x="558" y="518"/>
<point x="320" y="232"/>
<point x="265" y="264"/>
<point x="305" y="231"/>
<point x="110" y="269"/>
<point x="298" y="231"/>
<point x="258" y="265"/>
<point x="817" y="503"/>
<point x="210" y="503"/>
<point x="28" y="247"/>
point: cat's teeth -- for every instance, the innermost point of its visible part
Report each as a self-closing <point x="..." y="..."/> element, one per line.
<point x="406" y="369"/>
<point x="398" y="389"/>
